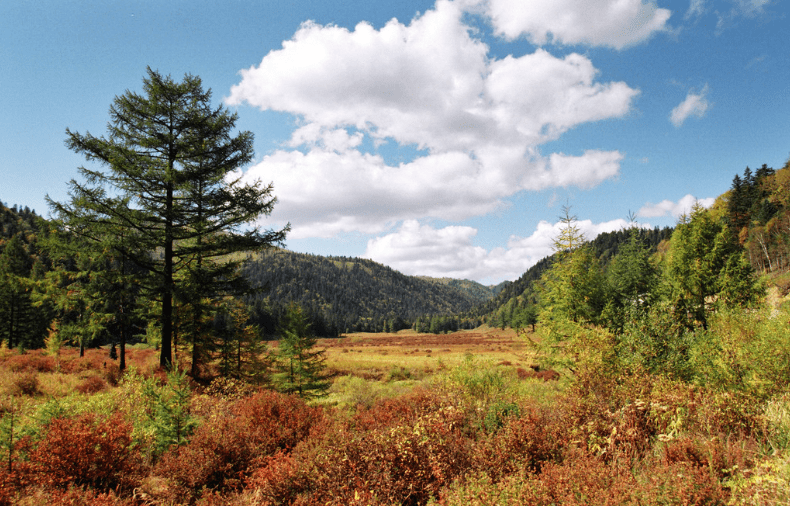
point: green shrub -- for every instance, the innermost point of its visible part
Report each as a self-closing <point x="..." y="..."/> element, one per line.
<point x="744" y="350"/>
<point x="497" y="415"/>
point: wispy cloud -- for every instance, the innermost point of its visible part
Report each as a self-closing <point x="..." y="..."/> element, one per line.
<point x="696" y="9"/>
<point x="674" y="209"/>
<point x="696" y="104"/>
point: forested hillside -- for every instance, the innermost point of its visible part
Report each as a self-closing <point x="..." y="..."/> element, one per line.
<point x="757" y="208"/>
<point x="515" y="303"/>
<point x="23" y="322"/>
<point x="342" y="294"/>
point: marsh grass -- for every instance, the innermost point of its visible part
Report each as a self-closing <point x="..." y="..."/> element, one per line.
<point x="419" y="356"/>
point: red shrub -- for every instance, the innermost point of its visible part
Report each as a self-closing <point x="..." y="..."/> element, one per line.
<point x="34" y="360"/>
<point x="717" y="456"/>
<point x="404" y="464"/>
<point x="581" y="480"/>
<point x="680" y="483"/>
<point x="8" y="487"/>
<point x="540" y="435"/>
<point x="91" y="385"/>
<point x="222" y="452"/>
<point x="83" y="451"/>
<point x="277" y="480"/>
<point x="94" y="360"/>
<point x="401" y="410"/>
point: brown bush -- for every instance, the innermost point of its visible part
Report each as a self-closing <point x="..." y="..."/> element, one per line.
<point x="74" y="497"/>
<point x="112" y="374"/>
<point x="535" y="372"/>
<point x="26" y="383"/>
<point x="31" y="361"/>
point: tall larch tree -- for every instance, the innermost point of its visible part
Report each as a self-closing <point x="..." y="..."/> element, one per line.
<point x="162" y="145"/>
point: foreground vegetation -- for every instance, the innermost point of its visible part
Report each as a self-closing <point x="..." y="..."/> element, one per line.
<point x="467" y="420"/>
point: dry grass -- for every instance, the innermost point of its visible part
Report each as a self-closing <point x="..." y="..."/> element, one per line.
<point x="375" y="356"/>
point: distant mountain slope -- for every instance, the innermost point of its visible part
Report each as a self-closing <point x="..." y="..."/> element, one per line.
<point x="349" y="294"/>
<point x="478" y="292"/>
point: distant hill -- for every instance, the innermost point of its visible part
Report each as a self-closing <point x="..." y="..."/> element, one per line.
<point x="480" y="293"/>
<point x="350" y="294"/>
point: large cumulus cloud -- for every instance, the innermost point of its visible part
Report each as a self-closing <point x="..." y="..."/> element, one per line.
<point x="477" y="121"/>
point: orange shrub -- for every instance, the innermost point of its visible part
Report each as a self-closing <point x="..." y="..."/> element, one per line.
<point x="401" y="464"/>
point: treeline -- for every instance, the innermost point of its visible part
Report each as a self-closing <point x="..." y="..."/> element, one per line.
<point x="341" y="294"/>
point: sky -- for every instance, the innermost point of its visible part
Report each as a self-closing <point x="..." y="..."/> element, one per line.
<point x="441" y="138"/>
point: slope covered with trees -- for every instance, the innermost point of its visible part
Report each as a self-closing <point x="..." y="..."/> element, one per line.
<point x="23" y="262"/>
<point x="757" y="209"/>
<point x="342" y="294"/>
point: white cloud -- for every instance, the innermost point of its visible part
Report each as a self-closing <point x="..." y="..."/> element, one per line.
<point x="429" y="84"/>
<point x="696" y="9"/>
<point x="695" y="104"/>
<point x="750" y="8"/>
<point x="612" y="23"/>
<point x="674" y="209"/>
<point x="449" y="252"/>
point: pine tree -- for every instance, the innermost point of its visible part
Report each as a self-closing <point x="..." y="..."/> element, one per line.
<point x="242" y="352"/>
<point x="705" y="259"/>
<point x="300" y="369"/>
<point x="170" y="158"/>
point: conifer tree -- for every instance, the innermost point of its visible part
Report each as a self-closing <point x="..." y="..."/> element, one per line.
<point x="172" y="184"/>
<point x="300" y="368"/>
<point x="705" y="262"/>
<point x="241" y="350"/>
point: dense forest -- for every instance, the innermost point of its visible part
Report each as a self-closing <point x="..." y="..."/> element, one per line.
<point x="23" y="262"/>
<point x="349" y="294"/>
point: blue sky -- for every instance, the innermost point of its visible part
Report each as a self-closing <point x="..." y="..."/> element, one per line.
<point x="441" y="138"/>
